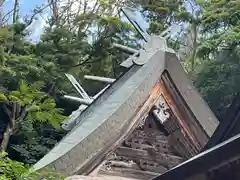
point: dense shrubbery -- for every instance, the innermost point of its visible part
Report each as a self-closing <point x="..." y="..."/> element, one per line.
<point x="14" y="170"/>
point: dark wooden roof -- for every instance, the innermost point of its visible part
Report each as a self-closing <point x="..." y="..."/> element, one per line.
<point x="205" y="161"/>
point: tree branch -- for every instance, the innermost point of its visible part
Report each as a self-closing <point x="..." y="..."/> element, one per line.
<point x="7" y="14"/>
<point x="22" y="114"/>
<point x="7" y="111"/>
<point x="14" y="108"/>
<point x="82" y="63"/>
<point x="2" y="2"/>
<point x="37" y="12"/>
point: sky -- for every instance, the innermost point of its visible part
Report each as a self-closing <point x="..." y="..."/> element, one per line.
<point x="26" y="6"/>
<point x="37" y="27"/>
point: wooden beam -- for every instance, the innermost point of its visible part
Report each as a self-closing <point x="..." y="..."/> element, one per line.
<point x="160" y="158"/>
<point x="157" y="135"/>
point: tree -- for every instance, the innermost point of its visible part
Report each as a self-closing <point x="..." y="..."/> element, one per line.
<point x="79" y="42"/>
<point x="219" y="50"/>
<point x="219" y="80"/>
<point x="24" y="107"/>
<point x="221" y="26"/>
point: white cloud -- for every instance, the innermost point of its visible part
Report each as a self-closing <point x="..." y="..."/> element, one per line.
<point x="36" y="28"/>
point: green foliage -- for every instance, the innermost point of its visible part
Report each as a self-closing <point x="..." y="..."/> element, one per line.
<point x="219" y="80"/>
<point x="28" y="106"/>
<point x="34" y="148"/>
<point x="221" y="22"/>
<point x="39" y="106"/>
<point x="162" y="14"/>
<point x="13" y="170"/>
<point x="3" y="97"/>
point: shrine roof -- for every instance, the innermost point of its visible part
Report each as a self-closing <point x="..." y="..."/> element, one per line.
<point x="107" y="104"/>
